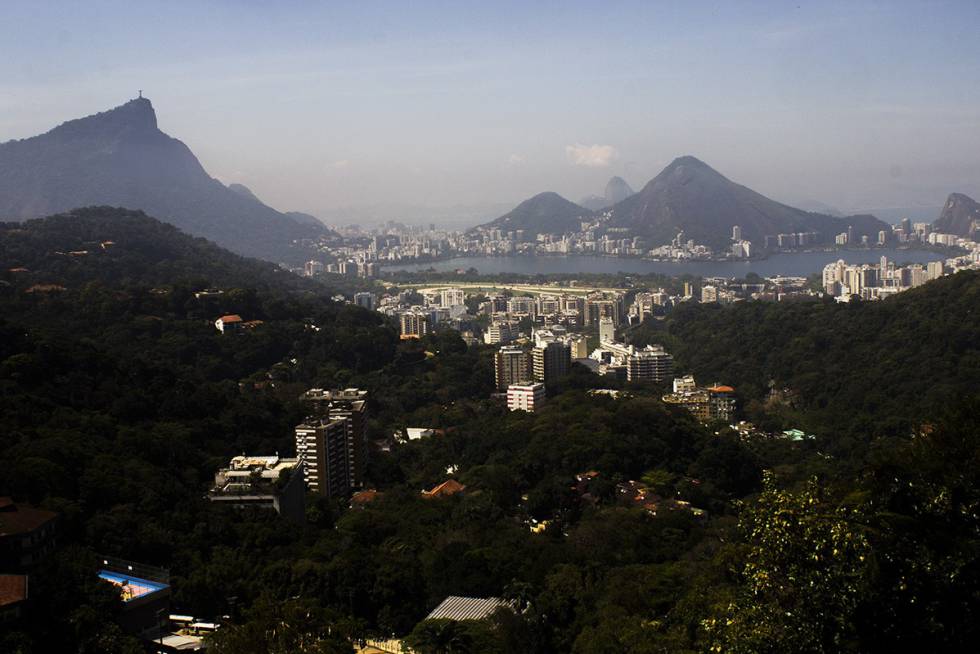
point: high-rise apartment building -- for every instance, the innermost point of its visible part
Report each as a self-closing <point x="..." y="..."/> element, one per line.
<point x="451" y="297"/>
<point x="512" y="365"/>
<point x="652" y="363"/>
<point x="607" y="330"/>
<point x="364" y="299"/>
<point x="333" y="441"/>
<point x="597" y="308"/>
<point x="414" y="324"/>
<point x="550" y="360"/>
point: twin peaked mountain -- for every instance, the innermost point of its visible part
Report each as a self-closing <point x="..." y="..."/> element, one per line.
<point x="121" y="158"/>
<point x="689" y="196"/>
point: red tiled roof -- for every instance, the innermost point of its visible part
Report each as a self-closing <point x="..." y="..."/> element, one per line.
<point x="21" y="518"/>
<point x="445" y="489"/>
<point x="13" y="589"/>
<point x="232" y="317"/>
<point x="721" y="389"/>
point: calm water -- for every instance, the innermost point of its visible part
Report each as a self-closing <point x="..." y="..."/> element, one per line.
<point x="797" y="264"/>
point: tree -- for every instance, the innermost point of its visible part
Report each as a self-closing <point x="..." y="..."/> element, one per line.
<point x="440" y="636"/>
<point x="805" y="572"/>
<point x="291" y="627"/>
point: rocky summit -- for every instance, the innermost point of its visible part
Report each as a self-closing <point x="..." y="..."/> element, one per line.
<point x="121" y="158"/>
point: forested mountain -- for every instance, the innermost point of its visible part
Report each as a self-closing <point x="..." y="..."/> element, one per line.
<point x="871" y="367"/>
<point x="960" y="216"/>
<point x="112" y="246"/>
<point x="690" y="196"/>
<point x="121" y="158"/>
<point x="119" y="399"/>
<point x="545" y="213"/>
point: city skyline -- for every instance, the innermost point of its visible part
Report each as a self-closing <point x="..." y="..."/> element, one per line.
<point x="856" y="105"/>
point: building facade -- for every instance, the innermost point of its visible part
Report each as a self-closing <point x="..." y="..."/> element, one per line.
<point x="332" y="441"/>
<point x="414" y="324"/>
<point x="525" y="397"/>
<point x="512" y="365"/>
<point x="651" y="363"/>
<point x="265" y="482"/>
<point x="550" y="361"/>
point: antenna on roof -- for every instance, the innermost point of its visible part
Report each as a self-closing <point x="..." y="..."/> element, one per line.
<point x="141" y="93"/>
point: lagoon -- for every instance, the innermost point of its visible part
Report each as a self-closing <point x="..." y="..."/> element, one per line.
<point x="793" y="264"/>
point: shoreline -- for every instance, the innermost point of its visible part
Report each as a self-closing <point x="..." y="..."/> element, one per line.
<point x="950" y="251"/>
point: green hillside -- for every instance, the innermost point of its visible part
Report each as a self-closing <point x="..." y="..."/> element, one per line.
<point x="613" y="525"/>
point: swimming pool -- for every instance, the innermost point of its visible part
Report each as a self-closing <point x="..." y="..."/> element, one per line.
<point x="131" y="587"/>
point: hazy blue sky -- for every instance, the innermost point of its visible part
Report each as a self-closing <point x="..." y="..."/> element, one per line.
<point x="316" y="105"/>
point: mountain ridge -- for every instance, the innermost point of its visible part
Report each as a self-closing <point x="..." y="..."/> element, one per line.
<point x="544" y="213"/>
<point x="120" y="157"/>
<point x="689" y="195"/>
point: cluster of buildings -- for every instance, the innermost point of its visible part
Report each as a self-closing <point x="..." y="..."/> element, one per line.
<point x="876" y="281"/>
<point x="331" y="457"/>
<point x="358" y="267"/>
<point x="594" y="237"/>
<point x="555" y="311"/>
<point x="565" y="314"/>
<point x="262" y="481"/>
<point x="361" y="253"/>
<point x="706" y="403"/>
<point x="523" y="373"/>
<point x="905" y="232"/>
<point x="523" y="370"/>
<point x="419" y="312"/>
<point x="680" y="249"/>
<point x="630" y="363"/>
<point x="332" y="441"/>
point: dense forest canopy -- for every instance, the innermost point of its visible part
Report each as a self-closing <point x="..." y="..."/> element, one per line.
<point x="869" y="367"/>
<point x="119" y="399"/>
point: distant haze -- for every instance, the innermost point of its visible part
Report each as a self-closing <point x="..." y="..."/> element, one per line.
<point x="363" y="111"/>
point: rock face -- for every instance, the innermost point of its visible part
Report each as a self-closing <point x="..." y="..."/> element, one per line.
<point x="690" y="196"/>
<point x="545" y="213"/>
<point x="121" y="158"/>
<point x="960" y="216"/>
<point x="617" y="190"/>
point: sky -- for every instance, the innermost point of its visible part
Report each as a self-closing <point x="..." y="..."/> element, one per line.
<point x="322" y="106"/>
